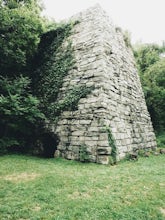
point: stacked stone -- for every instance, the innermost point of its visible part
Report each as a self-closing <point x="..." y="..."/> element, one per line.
<point x="104" y="61"/>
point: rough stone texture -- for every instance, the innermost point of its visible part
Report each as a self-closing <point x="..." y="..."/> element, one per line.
<point x="104" y="61"/>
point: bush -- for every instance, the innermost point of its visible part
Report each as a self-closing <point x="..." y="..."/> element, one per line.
<point x="19" y="112"/>
<point x="161" y="140"/>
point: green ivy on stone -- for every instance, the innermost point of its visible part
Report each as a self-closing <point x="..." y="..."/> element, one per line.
<point x="52" y="63"/>
<point x="112" y="144"/>
<point x="70" y="102"/>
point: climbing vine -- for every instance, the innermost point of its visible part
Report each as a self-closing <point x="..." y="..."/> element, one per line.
<point x="53" y="61"/>
<point x="112" y="144"/>
<point x="70" y="102"/>
<point x="83" y="154"/>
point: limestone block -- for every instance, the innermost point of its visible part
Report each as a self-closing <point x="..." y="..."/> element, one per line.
<point x="103" y="143"/>
<point x="121" y="156"/>
<point x="74" y="138"/>
<point x="92" y="158"/>
<point x="78" y="133"/>
<point x="91" y="137"/>
<point x="82" y="101"/>
<point x="104" y="150"/>
<point x="103" y="136"/>
<point x="90" y="84"/>
<point x="101" y="110"/>
<point x="70" y="155"/>
<point x="92" y="100"/>
<point x="57" y="154"/>
<point x="94" y="129"/>
<point x="85" y="122"/>
<point x="64" y="138"/>
<point x="90" y="143"/>
<point x="66" y="114"/>
<point x="61" y="147"/>
<point x="103" y="159"/>
<point x="63" y="122"/>
<point x="76" y="122"/>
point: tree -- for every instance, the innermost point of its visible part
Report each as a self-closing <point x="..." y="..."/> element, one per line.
<point x="151" y="65"/>
<point x="154" y="88"/>
<point x="21" y="25"/>
<point x="18" y="111"/>
<point x="146" y="55"/>
<point x="20" y="28"/>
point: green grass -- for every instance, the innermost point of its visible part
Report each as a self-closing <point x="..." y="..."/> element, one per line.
<point x="55" y="189"/>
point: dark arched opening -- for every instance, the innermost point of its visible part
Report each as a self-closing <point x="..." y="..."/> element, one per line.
<point x="49" y="141"/>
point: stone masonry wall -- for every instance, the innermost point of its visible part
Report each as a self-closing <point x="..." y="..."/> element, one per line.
<point x="117" y="101"/>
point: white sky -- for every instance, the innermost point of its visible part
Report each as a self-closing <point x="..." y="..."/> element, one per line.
<point x="144" y="19"/>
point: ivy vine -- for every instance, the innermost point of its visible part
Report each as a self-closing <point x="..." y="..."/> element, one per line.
<point x="52" y="63"/>
<point x="70" y="102"/>
<point x="112" y="144"/>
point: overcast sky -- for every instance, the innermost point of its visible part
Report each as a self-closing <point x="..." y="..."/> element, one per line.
<point x="144" y="19"/>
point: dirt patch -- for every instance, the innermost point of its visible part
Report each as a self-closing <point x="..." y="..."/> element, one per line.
<point x="21" y="177"/>
<point x="162" y="210"/>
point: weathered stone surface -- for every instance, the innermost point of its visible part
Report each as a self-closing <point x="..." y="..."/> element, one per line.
<point x="104" y="150"/>
<point x="117" y="101"/>
<point x="103" y="159"/>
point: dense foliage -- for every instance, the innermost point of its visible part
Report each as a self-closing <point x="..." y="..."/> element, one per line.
<point x="50" y="65"/>
<point x="19" y="112"/>
<point x="20" y="28"/>
<point x="151" y="64"/>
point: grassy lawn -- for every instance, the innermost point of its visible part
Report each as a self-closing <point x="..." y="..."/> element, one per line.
<point x="34" y="188"/>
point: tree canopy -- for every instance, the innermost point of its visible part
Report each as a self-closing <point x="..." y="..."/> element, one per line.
<point x="151" y="65"/>
<point x="21" y="25"/>
<point x="20" y="28"/>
